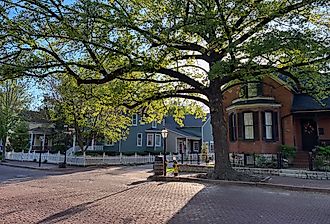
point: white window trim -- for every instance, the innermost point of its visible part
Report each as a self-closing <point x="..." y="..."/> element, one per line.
<point x="135" y="121"/>
<point x="137" y="139"/>
<point x="248" y="125"/>
<point x="154" y="124"/>
<point x="160" y="140"/>
<point x="211" y="143"/>
<point x="196" y="143"/>
<point x="152" y="140"/>
<point x="269" y="124"/>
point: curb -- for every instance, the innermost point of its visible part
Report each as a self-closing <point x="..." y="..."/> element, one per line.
<point x="240" y="183"/>
<point x="24" y="166"/>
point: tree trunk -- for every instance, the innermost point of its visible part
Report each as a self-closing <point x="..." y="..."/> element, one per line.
<point x="4" y="149"/>
<point x="222" y="169"/>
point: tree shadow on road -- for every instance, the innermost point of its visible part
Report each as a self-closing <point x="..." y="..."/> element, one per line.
<point x="66" y="214"/>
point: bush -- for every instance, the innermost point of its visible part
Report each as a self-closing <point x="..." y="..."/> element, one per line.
<point x="323" y="150"/>
<point x="322" y="158"/>
<point x="288" y="151"/>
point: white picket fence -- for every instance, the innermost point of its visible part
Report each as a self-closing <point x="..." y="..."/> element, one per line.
<point x="82" y="160"/>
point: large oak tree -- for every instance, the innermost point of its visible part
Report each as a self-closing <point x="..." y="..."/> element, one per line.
<point x="189" y="49"/>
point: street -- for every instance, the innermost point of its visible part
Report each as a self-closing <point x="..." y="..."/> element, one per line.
<point x="121" y="195"/>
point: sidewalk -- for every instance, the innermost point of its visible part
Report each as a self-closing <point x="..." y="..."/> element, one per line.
<point x="35" y="165"/>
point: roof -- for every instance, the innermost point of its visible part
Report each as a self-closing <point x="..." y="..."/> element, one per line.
<point x="303" y="102"/>
<point x="42" y="130"/>
<point x="189" y="122"/>
<point x="36" y="116"/>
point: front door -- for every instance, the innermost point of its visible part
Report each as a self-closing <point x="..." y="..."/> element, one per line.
<point x="308" y="134"/>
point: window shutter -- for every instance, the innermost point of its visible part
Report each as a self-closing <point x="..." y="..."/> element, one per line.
<point x="230" y="123"/>
<point x="234" y="127"/>
<point x="256" y="125"/>
<point x="259" y="89"/>
<point x="230" y="127"/>
<point x="263" y="125"/>
<point x="240" y="126"/>
<point x="275" y="126"/>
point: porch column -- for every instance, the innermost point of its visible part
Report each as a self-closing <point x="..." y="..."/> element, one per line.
<point x="74" y="142"/>
<point x="93" y="143"/>
<point x="31" y="141"/>
<point x="186" y="147"/>
<point x="43" y="142"/>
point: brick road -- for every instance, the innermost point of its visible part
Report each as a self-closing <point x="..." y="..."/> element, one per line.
<point x="107" y="196"/>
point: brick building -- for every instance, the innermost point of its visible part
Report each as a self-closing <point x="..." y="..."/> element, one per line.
<point x="264" y="115"/>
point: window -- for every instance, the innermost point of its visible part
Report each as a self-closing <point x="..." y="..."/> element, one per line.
<point x="248" y="126"/>
<point x="251" y="90"/>
<point x="154" y="124"/>
<point x="109" y="143"/>
<point x="232" y="127"/>
<point x="134" y="119"/>
<point x="196" y="146"/>
<point x="268" y="125"/>
<point x="180" y="146"/>
<point x="139" y="139"/>
<point x="158" y="140"/>
<point x="150" y="139"/>
<point x="211" y="146"/>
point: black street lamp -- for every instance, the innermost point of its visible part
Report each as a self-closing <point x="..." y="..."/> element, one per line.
<point x="164" y="135"/>
<point x="67" y="131"/>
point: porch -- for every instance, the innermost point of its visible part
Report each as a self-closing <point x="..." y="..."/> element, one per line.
<point x="40" y="139"/>
<point x="311" y="129"/>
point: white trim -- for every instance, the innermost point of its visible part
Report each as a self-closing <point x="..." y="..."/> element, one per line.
<point x="255" y="105"/>
<point x="252" y="98"/>
<point x="211" y="143"/>
<point x="153" y="131"/>
<point x="152" y="142"/>
<point x="185" y="136"/>
<point x="137" y="139"/>
<point x="136" y="120"/>
<point x="193" y="146"/>
<point x="154" y="124"/>
<point x="160" y="140"/>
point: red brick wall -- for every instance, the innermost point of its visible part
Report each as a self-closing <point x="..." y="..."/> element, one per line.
<point x="324" y="122"/>
<point x="283" y="96"/>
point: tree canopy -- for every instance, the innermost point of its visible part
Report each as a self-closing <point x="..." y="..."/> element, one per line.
<point x="188" y="49"/>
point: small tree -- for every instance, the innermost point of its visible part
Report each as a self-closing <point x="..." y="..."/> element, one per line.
<point x="19" y="137"/>
<point x="14" y="98"/>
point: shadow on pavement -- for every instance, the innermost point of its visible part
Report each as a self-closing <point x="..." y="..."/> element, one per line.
<point x="66" y="214"/>
<point x="237" y="204"/>
<point x="9" y="174"/>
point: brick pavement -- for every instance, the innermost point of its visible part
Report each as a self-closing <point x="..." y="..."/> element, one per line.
<point x="107" y="196"/>
<point x="101" y="196"/>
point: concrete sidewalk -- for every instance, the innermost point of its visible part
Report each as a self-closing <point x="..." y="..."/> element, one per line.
<point x="35" y="165"/>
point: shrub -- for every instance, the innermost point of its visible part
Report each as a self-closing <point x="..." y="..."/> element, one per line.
<point x="323" y="150"/>
<point x="288" y="151"/>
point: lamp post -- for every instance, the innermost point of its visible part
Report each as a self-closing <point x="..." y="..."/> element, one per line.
<point x="164" y="135"/>
<point x="67" y="131"/>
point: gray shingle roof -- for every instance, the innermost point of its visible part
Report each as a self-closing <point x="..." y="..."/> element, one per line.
<point x="303" y="102"/>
